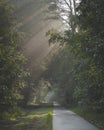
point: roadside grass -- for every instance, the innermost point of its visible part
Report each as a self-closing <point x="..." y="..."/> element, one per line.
<point x="34" y="119"/>
<point x="95" y="118"/>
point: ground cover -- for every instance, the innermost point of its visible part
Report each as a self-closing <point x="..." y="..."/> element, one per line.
<point x="33" y="119"/>
<point x="96" y="118"/>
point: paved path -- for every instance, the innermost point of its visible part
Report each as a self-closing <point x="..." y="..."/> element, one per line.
<point x="67" y="120"/>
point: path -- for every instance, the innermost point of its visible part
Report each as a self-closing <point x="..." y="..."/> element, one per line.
<point x="67" y="120"/>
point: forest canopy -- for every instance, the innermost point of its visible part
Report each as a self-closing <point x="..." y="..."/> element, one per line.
<point x="77" y="71"/>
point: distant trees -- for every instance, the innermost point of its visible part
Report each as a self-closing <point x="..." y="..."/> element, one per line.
<point x="59" y="74"/>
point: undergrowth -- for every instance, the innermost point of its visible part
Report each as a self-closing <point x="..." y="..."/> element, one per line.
<point x="35" y="119"/>
<point x="96" y="118"/>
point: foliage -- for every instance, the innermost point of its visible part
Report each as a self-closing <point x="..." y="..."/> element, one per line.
<point x="92" y="49"/>
<point x="93" y="117"/>
<point x="39" y="119"/>
<point x="12" y="61"/>
<point x="58" y="74"/>
<point x="86" y="49"/>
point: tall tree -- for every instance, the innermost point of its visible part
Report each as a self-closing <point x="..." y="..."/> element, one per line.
<point x="68" y="9"/>
<point x="87" y="48"/>
<point x="11" y="60"/>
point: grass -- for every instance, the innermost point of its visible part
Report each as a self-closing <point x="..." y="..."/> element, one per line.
<point x="94" y="117"/>
<point x="34" y="119"/>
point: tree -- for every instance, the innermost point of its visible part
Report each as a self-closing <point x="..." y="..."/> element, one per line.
<point x="12" y="61"/>
<point x="67" y="8"/>
<point x="93" y="48"/>
<point x="87" y="50"/>
<point x="59" y="75"/>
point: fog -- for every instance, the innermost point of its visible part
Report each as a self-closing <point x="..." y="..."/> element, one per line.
<point x="35" y="19"/>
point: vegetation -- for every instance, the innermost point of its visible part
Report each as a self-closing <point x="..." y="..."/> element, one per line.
<point x="77" y="70"/>
<point x="32" y="119"/>
<point x="16" y="83"/>
<point x="80" y="63"/>
<point x="75" y="74"/>
<point x="31" y="16"/>
<point x="12" y="72"/>
<point x="91" y="116"/>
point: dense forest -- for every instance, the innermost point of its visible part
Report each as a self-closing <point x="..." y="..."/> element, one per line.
<point x="12" y="72"/>
<point x="74" y="73"/>
<point x="77" y="70"/>
<point x="19" y="82"/>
